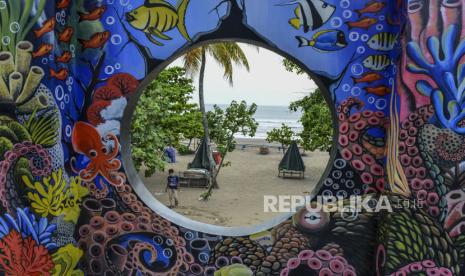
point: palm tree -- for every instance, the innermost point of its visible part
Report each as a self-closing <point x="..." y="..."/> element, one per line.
<point x="226" y="54"/>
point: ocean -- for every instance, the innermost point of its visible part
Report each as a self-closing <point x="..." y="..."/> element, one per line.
<point x="270" y="117"/>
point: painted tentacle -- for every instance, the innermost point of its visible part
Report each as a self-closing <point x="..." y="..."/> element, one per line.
<point x="115" y="152"/>
<point x="35" y="153"/>
<point x="135" y="261"/>
<point x="356" y="143"/>
<point x="413" y="159"/>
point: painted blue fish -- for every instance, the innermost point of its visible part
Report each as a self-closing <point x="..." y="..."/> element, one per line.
<point x="325" y="41"/>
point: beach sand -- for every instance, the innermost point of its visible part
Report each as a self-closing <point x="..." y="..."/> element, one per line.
<point x="239" y="200"/>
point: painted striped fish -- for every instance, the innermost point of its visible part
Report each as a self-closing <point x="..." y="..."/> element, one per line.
<point x="310" y="14"/>
<point x="156" y="17"/>
<point x="383" y="41"/>
<point x="377" y="62"/>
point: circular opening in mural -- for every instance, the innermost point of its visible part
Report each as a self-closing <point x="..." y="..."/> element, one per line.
<point x="227" y="132"/>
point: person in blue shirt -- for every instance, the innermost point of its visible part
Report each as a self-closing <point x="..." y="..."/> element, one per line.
<point x="172" y="187"/>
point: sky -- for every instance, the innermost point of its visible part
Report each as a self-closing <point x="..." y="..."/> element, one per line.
<point x="267" y="82"/>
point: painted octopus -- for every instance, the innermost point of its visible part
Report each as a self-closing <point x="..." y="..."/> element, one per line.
<point x="359" y="148"/>
<point x="86" y="140"/>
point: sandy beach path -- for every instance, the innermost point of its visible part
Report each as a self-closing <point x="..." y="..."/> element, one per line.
<point x="239" y="201"/>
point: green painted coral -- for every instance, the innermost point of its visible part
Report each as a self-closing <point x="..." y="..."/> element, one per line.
<point x="44" y="129"/>
<point x="51" y="197"/>
<point x="234" y="270"/>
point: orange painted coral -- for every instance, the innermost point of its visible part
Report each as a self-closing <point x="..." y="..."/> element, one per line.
<point x="20" y="256"/>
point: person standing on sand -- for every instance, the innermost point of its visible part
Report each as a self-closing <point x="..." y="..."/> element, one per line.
<point x="172" y="187"/>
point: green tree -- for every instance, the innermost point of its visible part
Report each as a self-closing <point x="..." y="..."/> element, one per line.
<point x="316" y="116"/>
<point x="316" y="121"/>
<point x="283" y="135"/>
<point x="226" y="55"/>
<point x="292" y="67"/>
<point x="164" y="116"/>
<point x="224" y="124"/>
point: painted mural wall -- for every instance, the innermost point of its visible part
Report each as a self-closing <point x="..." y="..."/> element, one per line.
<point x="68" y="69"/>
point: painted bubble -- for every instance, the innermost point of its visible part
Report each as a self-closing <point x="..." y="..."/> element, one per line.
<point x="381" y="104"/>
<point x="6" y="40"/>
<point x="337" y="174"/>
<point x="327" y="193"/>
<point x="109" y="70"/>
<point x="357" y="69"/>
<point x="59" y="92"/>
<point x="68" y="130"/>
<point x="349" y="184"/>
<point x="15" y="27"/>
<point x="167" y="253"/>
<point x="347" y="14"/>
<point x="340" y="163"/>
<point x="345" y="4"/>
<point x="349" y="213"/>
<point x="116" y="39"/>
<point x="203" y="257"/>
<point x="346" y="87"/>
<point x="328" y="182"/>
<point x="356" y="91"/>
<point x="341" y="193"/>
<point x="110" y="20"/>
<point x="354" y="36"/>
<point x="336" y="22"/>
<point x="189" y="236"/>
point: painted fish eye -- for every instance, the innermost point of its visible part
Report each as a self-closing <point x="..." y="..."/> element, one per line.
<point x="325" y="5"/>
<point x="93" y="153"/>
<point x="312" y="218"/>
<point x="135" y="12"/>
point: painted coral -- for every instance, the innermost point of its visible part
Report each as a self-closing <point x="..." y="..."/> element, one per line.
<point x="20" y="256"/>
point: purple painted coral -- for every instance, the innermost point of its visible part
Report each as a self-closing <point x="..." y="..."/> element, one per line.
<point x="427" y="266"/>
<point x="321" y="262"/>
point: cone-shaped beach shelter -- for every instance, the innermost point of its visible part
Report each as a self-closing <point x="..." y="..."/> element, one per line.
<point x="292" y="163"/>
<point x="202" y="159"/>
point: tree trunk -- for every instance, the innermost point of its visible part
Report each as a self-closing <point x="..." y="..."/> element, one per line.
<point x="230" y="139"/>
<point x="206" y="136"/>
<point x="215" y="175"/>
<point x="202" y="98"/>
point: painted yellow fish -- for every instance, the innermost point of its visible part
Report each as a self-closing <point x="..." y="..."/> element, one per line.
<point x="156" y="17"/>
